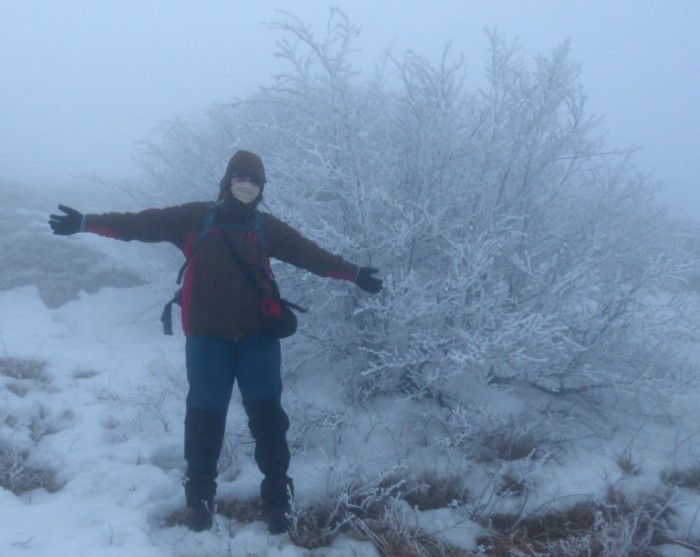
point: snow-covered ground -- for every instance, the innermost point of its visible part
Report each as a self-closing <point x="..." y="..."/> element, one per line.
<point x="108" y="418"/>
<point x="107" y="415"/>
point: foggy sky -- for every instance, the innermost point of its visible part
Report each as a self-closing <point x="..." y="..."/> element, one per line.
<point x="82" y="82"/>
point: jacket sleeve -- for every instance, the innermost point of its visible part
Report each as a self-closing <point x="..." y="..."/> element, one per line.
<point x="170" y="224"/>
<point x="288" y="245"/>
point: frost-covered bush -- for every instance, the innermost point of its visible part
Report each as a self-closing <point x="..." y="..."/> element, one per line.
<point x="515" y="245"/>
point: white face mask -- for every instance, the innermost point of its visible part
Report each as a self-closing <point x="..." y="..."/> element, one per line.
<point x="245" y="192"/>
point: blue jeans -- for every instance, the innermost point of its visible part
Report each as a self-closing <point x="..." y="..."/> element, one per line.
<point x="214" y="364"/>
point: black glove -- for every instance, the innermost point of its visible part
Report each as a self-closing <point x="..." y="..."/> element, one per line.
<point x="367" y="282"/>
<point x="65" y="225"/>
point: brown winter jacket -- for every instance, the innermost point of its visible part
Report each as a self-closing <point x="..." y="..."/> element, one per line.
<point x="216" y="297"/>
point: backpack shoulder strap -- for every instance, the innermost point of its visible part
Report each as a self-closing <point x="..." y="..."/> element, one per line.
<point x="207" y="223"/>
<point x="260" y="227"/>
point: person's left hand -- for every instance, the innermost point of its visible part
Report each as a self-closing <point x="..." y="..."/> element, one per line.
<point x="367" y="282"/>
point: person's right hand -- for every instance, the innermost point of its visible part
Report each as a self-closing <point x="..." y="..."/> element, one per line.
<point x="65" y="225"/>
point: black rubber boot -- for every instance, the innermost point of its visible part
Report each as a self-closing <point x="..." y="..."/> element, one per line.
<point x="276" y="494"/>
<point x="268" y="425"/>
<point x="204" y="436"/>
<point x="201" y="516"/>
<point x="278" y="520"/>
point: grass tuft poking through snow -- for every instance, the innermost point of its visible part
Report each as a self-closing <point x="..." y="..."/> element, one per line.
<point x="24" y="369"/>
<point x="688" y="477"/>
<point x="19" y="475"/>
<point x="619" y="525"/>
